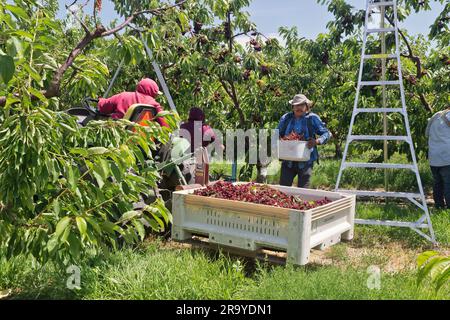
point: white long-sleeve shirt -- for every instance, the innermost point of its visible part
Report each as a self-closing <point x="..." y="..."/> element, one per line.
<point x="438" y="133"/>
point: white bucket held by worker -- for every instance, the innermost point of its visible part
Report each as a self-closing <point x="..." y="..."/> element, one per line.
<point x="293" y="150"/>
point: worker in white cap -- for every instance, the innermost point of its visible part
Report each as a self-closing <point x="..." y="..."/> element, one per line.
<point x="307" y="124"/>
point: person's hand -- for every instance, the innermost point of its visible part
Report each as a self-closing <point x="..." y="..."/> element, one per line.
<point x="312" y="143"/>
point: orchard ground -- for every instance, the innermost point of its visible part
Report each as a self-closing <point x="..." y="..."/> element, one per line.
<point x="380" y="263"/>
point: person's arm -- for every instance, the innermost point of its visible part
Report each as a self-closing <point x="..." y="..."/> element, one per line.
<point x="281" y="125"/>
<point x="321" y="130"/>
<point x="107" y="105"/>
<point x="209" y="136"/>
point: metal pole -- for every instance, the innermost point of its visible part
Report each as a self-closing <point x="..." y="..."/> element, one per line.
<point x="159" y="75"/>
<point x="234" y="172"/>
<point x="114" y="79"/>
<point x="355" y="105"/>
<point x="383" y="74"/>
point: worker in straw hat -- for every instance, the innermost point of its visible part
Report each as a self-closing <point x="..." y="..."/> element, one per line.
<point x="304" y="123"/>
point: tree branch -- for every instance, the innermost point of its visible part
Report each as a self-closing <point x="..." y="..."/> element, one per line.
<point x="233" y="95"/>
<point x="240" y="34"/>
<point x="230" y="41"/>
<point x="417" y="62"/>
<point x="94" y="13"/>
<point x="134" y="15"/>
<point x="83" y="25"/>
<point x="54" y="89"/>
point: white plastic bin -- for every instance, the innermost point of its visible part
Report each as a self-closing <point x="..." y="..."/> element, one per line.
<point x="254" y="227"/>
<point x="293" y="150"/>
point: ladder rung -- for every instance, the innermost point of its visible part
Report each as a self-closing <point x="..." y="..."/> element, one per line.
<point x="380" y="138"/>
<point x="381" y="4"/>
<point x="391" y="223"/>
<point x="375" y="110"/>
<point x="379" y="83"/>
<point x="379" y="165"/>
<point x="382" y="194"/>
<point x="380" y="56"/>
<point x="378" y="30"/>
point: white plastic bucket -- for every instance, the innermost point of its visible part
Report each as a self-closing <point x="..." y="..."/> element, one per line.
<point x="293" y="150"/>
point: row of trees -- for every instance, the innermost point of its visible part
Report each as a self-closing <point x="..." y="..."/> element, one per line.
<point x="65" y="190"/>
<point x="249" y="86"/>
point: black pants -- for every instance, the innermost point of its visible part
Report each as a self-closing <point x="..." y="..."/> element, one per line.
<point x="288" y="175"/>
<point x="441" y="187"/>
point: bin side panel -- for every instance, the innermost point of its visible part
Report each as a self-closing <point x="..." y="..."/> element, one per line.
<point x="299" y="237"/>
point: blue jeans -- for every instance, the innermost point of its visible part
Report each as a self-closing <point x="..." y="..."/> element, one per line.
<point x="441" y="187"/>
<point x="288" y="175"/>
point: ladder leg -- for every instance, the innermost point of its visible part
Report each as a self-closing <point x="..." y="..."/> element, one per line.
<point x="355" y="105"/>
<point x="413" y="225"/>
<point x="407" y="125"/>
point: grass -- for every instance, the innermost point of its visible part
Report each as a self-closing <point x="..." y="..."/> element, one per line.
<point x="165" y="270"/>
<point x="159" y="271"/>
<point x="333" y="283"/>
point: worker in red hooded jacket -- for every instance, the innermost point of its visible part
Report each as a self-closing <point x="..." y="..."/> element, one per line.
<point x="146" y="92"/>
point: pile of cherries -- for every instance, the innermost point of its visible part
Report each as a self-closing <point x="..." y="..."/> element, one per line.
<point x="258" y="193"/>
<point x="294" y="136"/>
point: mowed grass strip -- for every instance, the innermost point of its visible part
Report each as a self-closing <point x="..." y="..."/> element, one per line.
<point x="158" y="271"/>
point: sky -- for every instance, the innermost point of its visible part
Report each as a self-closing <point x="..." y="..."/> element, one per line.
<point x="307" y="15"/>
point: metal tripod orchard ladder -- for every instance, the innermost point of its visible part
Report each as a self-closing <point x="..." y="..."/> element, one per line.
<point x="417" y="199"/>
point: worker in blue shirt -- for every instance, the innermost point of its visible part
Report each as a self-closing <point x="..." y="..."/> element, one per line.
<point x="302" y="121"/>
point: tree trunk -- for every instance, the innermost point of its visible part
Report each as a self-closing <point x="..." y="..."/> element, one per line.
<point x="337" y="149"/>
<point x="261" y="172"/>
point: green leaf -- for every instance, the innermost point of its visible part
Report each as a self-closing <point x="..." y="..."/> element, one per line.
<point x="424" y="257"/>
<point x="152" y="223"/>
<point x="439" y="267"/>
<point x="46" y="114"/>
<point x="125" y="188"/>
<point x="71" y="177"/>
<point x="140" y="228"/>
<point x="128" y="215"/>
<point x="37" y="94"/>
<point x="426" y="269"/>
<point x="66" y="234"/>
<point x="33" y="74"/>
<point x="183" y="19"/>
<point x="443" y="278"/>
<point x="162" y="114"/>
<point x="79" y="151"/>
<point x="117" y="173"/>
<point x="74" y="245"/>
<point x="62" y="225"/>
<point x="15" y="47"/>
<point x="7" y="68"/>
<point x="104" y="165"/>
<point x="110" y="227"/>
<point x="97" y="151"/>
<point x="98" y="177"/>
<point x="24" y="34"/>
<point x="65" y="126"/>
<point x="56" y="207"/>
<point x="17" y="11"/>
<point x="52" y="244"/>
<point x="82" y="226"/>
<point x="94" y="224"/>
